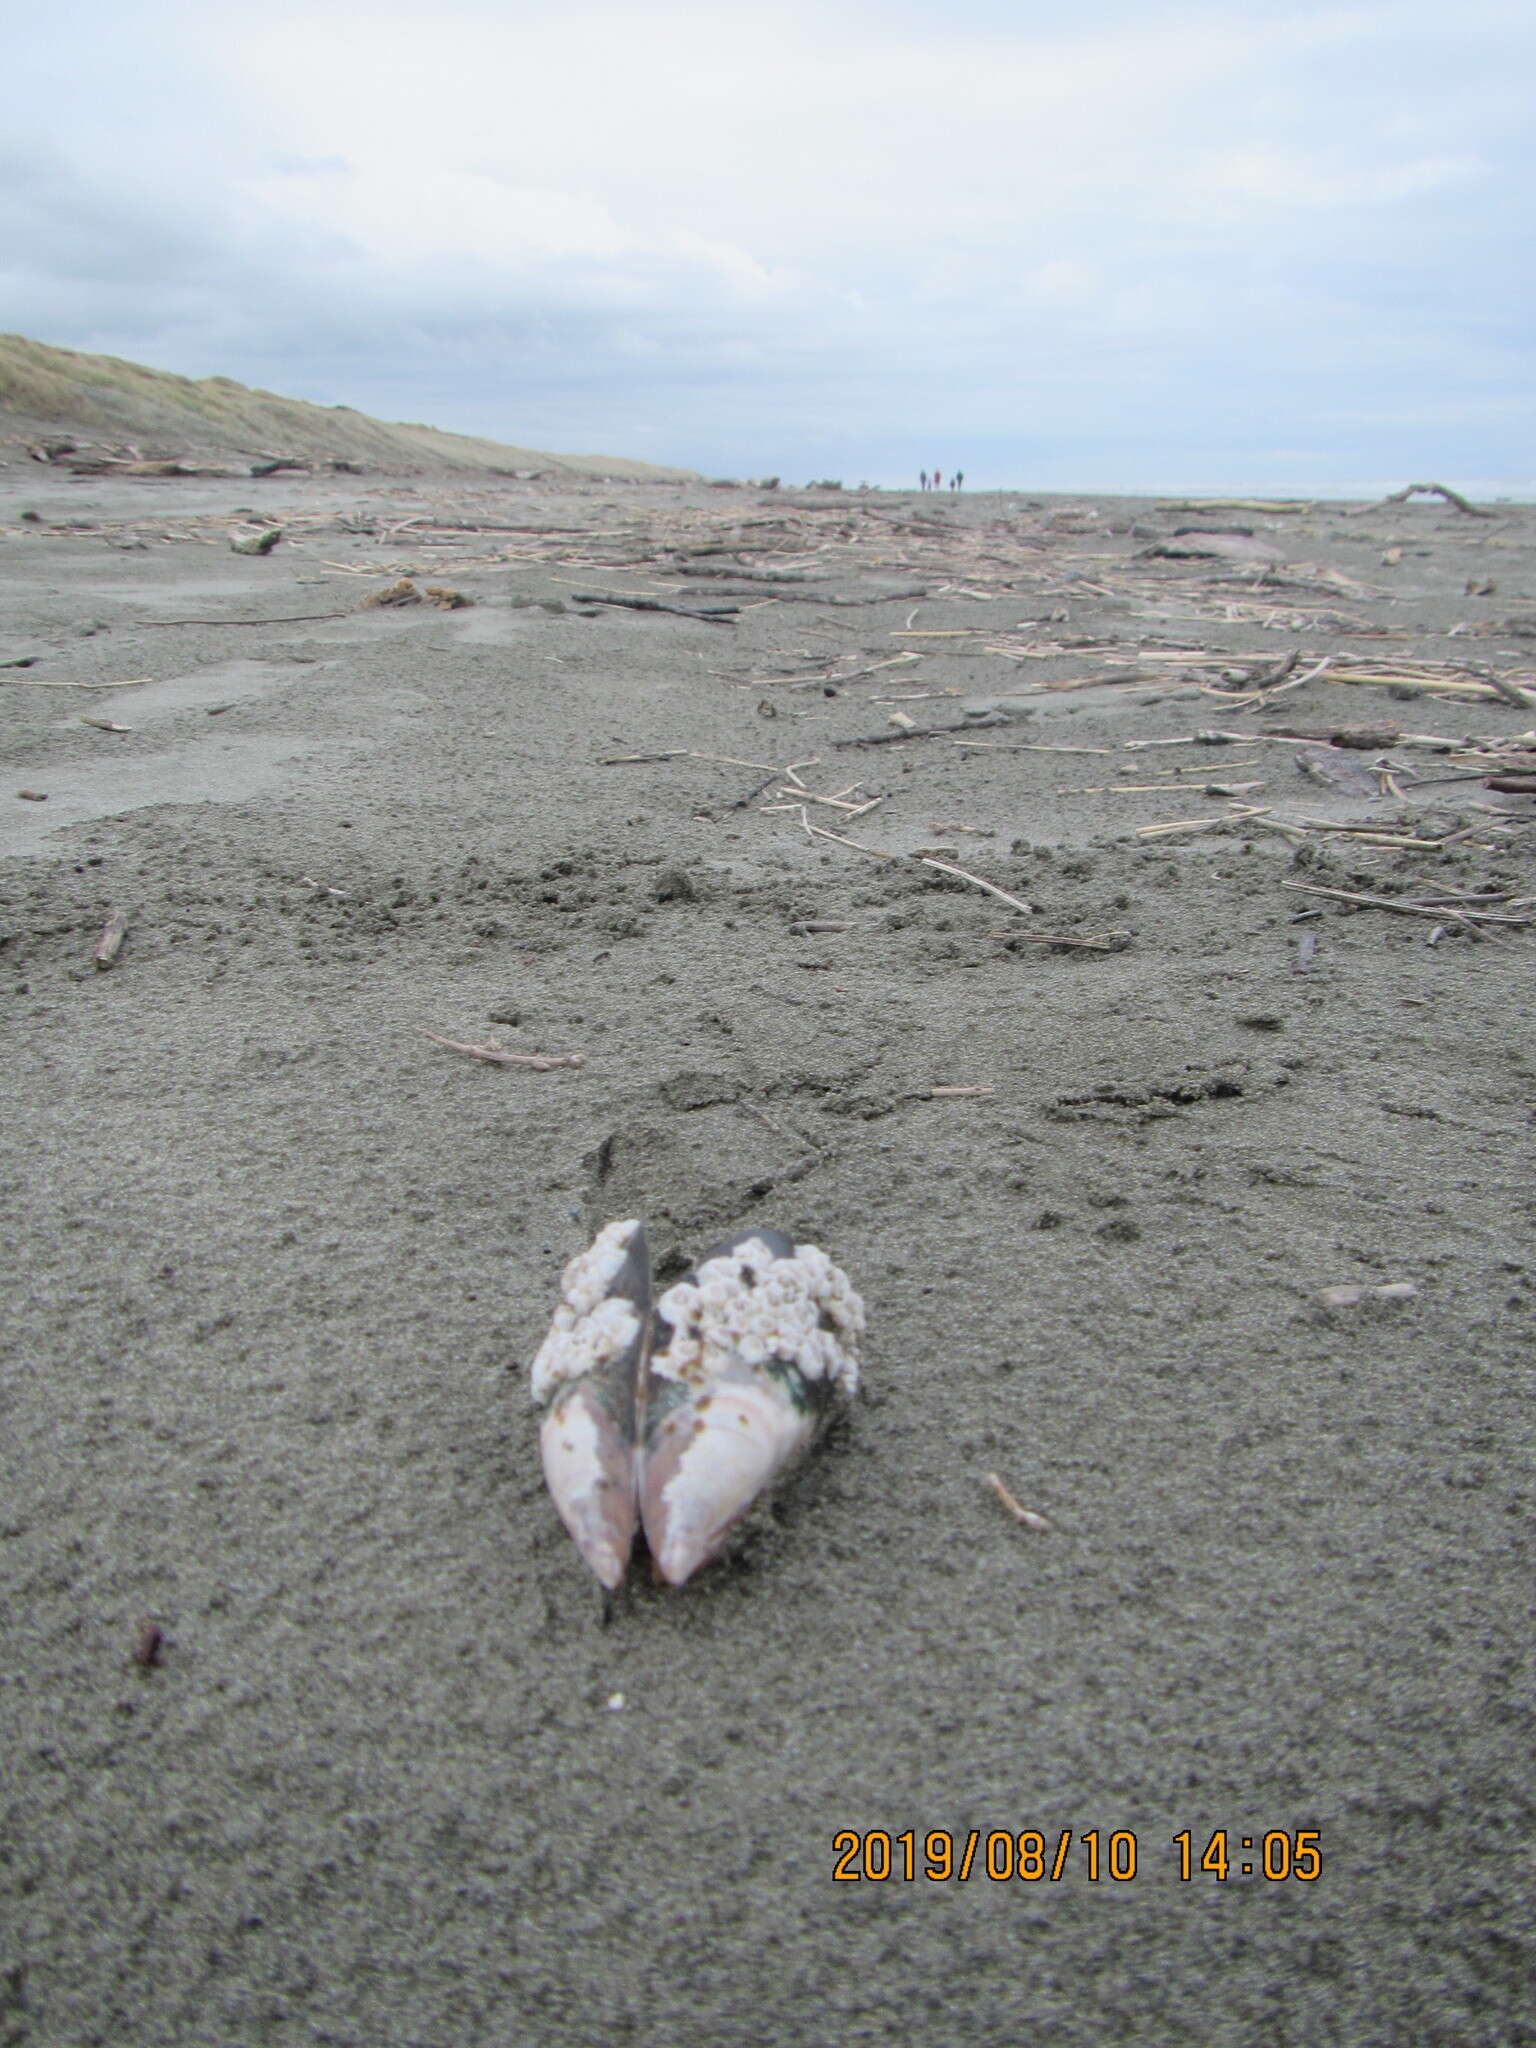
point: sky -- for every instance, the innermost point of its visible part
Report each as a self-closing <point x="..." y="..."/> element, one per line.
<point x="1246" y="245"/>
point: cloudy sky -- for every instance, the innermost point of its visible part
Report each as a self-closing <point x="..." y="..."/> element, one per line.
<point x="1139" y="244"/>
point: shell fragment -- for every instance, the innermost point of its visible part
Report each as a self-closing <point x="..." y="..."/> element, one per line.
<point x="678" y="1413"/>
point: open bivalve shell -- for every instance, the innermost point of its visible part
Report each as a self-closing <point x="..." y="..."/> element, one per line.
<point x="678" y="1413"/>
<point x="586" y="1375"/>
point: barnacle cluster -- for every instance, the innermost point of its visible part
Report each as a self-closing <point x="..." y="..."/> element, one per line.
<point x="751" y="1305"/>
<point x="592" y="1325"/>
<point x="580" y="1343"/>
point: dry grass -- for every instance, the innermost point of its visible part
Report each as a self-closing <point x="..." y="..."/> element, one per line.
<point x="41" y="386"/>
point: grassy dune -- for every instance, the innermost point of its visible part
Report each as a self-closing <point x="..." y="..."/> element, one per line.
<point x="45" y="390"/>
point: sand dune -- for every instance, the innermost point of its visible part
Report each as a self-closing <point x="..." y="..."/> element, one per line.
<point x="104" y="403"/>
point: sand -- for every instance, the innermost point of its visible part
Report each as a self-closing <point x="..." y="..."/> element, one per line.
<point x="398" y="1773"/>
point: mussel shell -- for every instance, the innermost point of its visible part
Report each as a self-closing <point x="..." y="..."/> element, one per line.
<point x="587" y="1438"/>
<point x="711" y="1449"/>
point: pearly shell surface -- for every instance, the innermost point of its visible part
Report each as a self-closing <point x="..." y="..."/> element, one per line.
<point x="585" y="1374"/>
<point x="709" y="1393"/>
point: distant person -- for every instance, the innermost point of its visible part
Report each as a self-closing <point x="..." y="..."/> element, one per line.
<point x="922" y="477"/>
<point x="957" y="483"/>
<point x="938" y="480"/>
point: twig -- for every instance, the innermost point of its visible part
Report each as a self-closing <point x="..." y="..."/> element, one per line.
<point x="1465" y="913"/>
<point x="1351" y="1296"/>
<point x="991" y="888"/>
<point x="821" y="832"/>
<point x="1238" y="815"/>
<point x="1026" y="1516"/>
<point x="920" y="732"/>
<point x="1205" y="738"/>
<point x="1105" y="942"/>
<point x="541" y="1062"/>
<point x="68" y="683"/>
<point x="712" y="615"/>
<point x="284" y="619"/>
<point x="1026" y="747"/>
<point x="836" y="803"/>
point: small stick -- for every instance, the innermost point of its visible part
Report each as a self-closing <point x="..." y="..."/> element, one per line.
<point x="1239" y="814"/>
<point x="936" y="1093"/>
<point x="1351" y="1296"/>
<point x="709" y="615"/>
<point x="852" y="676"/>
<point x="1206" y="738"/>
<point x="1145" y="788"/>
<point x="541" y="1062"/>
<point x="69" y="683"/>
<point x="1110" y="942"/>
<point x="283" y="619"/>
<point x="991" y="888"/>
<point x="731" y="761"/>
<point x="1025" y="747"/>
<point x="1015" y="1506"/>
<point x="1466" y="915"/>
<point x="821" y="832"/>
<point x="836" y="803"/>
<point x="110" y="944"/>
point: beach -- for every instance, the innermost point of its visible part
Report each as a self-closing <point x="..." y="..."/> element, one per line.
<point x="1095" y="923"/>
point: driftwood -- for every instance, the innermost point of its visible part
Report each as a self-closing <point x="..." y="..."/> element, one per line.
<point x="1366" y="737"/>
<point x="1236" y="505"/>
<point x="687" y="566"/>
<point x="711" y="615"/>
<point x="1427" y="491"/>
<point x="110" y="944"/>
<point x="924" y="732"/>
<point x="1234" y="547"/>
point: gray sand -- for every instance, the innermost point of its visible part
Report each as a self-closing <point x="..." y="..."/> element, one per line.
<point x="277" y="1264"/>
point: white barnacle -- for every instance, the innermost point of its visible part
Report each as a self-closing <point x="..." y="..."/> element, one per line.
<point x="589" y="1276"/>
<point x="798" y="1308"/>
<point x="579" y="1344"/>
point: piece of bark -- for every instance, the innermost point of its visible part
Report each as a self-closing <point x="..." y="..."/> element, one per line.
<point x="110" y="944"/>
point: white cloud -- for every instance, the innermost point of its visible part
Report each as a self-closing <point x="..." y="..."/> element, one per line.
<point x="1327" y="178"/>
<point x="849" y="219"/>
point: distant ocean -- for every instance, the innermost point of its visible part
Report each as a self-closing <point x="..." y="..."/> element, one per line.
<point x="1479" y="490"/>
